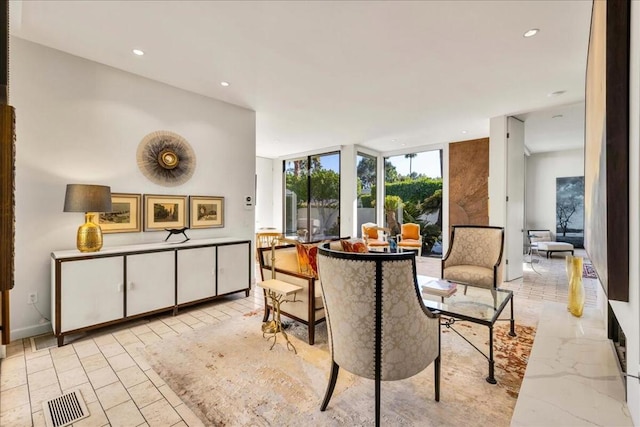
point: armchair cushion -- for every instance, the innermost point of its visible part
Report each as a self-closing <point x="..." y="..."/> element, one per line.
<point x="355" y="246"/>
<point x="481" y="276"/>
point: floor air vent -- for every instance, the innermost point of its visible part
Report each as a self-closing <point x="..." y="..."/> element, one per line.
<point x="65" y="410"/>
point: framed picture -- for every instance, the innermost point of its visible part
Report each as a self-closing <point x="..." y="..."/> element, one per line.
<point x="161" y="212"/>
<point x="206" y="211"/>
<point x="125" y="214"/>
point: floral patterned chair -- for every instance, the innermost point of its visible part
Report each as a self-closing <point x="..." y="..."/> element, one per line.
<point x="474" y="256"/>
<point x="378" y="326"/>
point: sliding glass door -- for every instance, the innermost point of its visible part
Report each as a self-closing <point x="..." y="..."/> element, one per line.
<point x="312" y="197"/>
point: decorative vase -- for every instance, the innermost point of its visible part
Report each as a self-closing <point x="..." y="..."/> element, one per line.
<point x="576" y="287"/>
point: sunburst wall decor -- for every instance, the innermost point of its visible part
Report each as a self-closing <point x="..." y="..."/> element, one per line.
<point x="166" y="158"/>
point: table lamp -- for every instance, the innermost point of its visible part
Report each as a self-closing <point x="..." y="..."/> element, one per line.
<point x="89" y="199"/>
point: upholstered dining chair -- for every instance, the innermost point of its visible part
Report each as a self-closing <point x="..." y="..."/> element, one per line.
<point x="475" y="256"/>
<point x="375" y="237"/>
<point x="410" y="238"/>
<point x="378" y="325"/>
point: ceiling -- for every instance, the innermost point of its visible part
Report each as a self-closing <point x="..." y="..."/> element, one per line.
<point x="388" y="75"/>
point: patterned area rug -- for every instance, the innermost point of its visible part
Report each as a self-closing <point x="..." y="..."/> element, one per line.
<point x="228" y="376"/>
<point x="588" y="271"/>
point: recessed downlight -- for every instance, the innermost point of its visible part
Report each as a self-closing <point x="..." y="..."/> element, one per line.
<point x="530" y="33"/>
<point x="556" y="93"/>
<point x="464" y="131"/>
<point x="225" y="84"/>
<point x="138" y="52"/>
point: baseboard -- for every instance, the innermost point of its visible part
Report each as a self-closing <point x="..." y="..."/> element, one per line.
<point x="31" y="331"/>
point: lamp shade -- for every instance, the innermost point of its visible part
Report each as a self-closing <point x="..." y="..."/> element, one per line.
<point x="87" y="198"/>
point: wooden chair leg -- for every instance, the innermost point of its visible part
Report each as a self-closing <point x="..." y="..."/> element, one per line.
<point x="266" y="313"/>
<point x="312" y="333"/>
<point x="333" y="377"/>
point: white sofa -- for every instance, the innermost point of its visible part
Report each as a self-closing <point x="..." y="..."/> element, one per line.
<point x="542" y="240"/>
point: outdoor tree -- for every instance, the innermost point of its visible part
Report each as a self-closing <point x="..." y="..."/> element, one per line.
<point x="390" y="172"/>
<point x="410" y="157"/>
<point x="367" y="171"/>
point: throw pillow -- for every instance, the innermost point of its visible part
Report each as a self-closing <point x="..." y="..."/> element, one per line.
<point x="356" y="246"/>
<point x="307" y="259"/>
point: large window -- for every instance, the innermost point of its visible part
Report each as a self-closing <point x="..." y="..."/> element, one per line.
<point x="413" y="193"/>
<point x="367" y="173"/>
<point x="312" y="197"/>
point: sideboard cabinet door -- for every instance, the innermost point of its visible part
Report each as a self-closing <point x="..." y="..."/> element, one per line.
<point x="233" y="268"/>
<point x="91" y="292"/>
<point x="151" y="282"/>
<point x="196" y="274"/>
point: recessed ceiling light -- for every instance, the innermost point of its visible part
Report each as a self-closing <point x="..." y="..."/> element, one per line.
<point x="225" y="84"/>
<point x="137" y="52"/>
<point x="393" y="140"/>
<point x="556" y="93"/>
<point x="557" y="116"/>
<point x="532" y="32"/>
<point x="464" y="131"/>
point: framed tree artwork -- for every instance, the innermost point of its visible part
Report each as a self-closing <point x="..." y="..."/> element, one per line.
<point x="206" y="211"/>
<point x="164" y="212"/>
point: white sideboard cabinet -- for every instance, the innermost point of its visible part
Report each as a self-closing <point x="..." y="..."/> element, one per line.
<point x="91" y="290"/>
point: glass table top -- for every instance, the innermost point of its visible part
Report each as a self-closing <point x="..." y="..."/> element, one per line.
<point x="479" y="305"/>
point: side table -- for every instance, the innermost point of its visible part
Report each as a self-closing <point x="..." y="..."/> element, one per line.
<point x="278" y="291"/>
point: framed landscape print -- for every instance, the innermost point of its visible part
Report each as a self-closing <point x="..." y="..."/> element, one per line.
<point x="206" y="211"/>
<point x="125" y="214"/>
<point x="162" y="212"/>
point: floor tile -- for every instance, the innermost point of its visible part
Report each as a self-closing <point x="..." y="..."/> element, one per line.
<point x="39" y="363"/>
<point x="121" y="361"/>
<point x="14" y="398"/>
<point x="67" y="363"/>
<point x="112" y="395"/>
<point x="86" y="348"/>
<point x="145" y="393"/>
<point x="72" y="378"/>
<point x="96" y="417"/>
<point x="16" y="417"/>
<point x="42" y="378"/>
<point x="125" y="415"/>
<point x="94" y="362"/>
<point x="43" y="394"/>
<point x="102" y="377"/>
<point x="132" y="376"/>
<point x="160" y="413"/>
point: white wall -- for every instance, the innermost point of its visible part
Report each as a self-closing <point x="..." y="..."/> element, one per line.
<point x="498" y="171"/>
<point x="81" y="122"/>
<point x="265" y="202"/>
<point x="540" y="187"/>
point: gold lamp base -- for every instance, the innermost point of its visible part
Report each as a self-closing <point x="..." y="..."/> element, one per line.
<point x="89" y="235"/>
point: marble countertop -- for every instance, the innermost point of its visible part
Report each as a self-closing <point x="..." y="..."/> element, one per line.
<point x="572" y="378"/>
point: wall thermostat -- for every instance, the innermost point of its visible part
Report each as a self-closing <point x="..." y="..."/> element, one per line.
<point x="248" y="202"/>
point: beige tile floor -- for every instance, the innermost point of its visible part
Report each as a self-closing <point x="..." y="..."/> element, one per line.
<point x="121" y="389"/>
